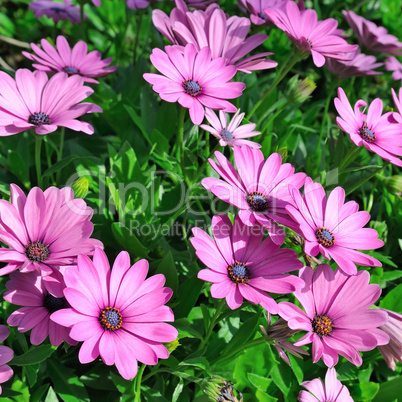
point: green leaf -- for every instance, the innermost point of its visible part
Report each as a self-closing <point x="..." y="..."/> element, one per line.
<point x="389" y="391"/>
<point x="264" y="397"/>
<point x="282" y="379"/>
<point x="32" y="373"/>
<point x="128" y="241"/>
<point x="66" y="383"/>
<point x="200" y="362"/>
<point x="178" y="390"/>
<point x="365" y="391"/>
<point x="51" y="396"/>
<point x="246" y="331"/>
<point x="35" y="355"/>
<point x="259" y="381"/>
<point x="168" y="268"/>
<point x="393" y="300"/>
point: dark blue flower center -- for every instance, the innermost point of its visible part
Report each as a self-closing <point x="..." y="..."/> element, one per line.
<point x="310" y="43"/>
<point x="37" y="251"/>
<point x="227" y="135"/>
<point x="54" y="303"/>
<point x="322" y="325"/>
<point x="262" y="16"/>
<point x="367" y="134"/>
<point x="238" y="273"/>
<point x="57" y="9"/>
<point x="257" y="201"/>
<point x="192" y="88"/>
<point x="110" y="319"/>
<point x="38" y="119"/>
<point x="325" y="237"/>
<point x="71" y="70"/>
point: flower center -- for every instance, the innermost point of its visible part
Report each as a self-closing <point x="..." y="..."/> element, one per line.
<point x="227" y="135"/>
<point x="310" y="43"/>
<point x="71" y="70"/>
<point x="37" y="251"/>
<point x="322" y="325"/>
<point x="57" y="9"/>
<point x="192" y="88"/>
<point x="367" y="134"/>
<point x="325" y="237"/>
<point x="38" y="119"/>
<point x="262" y="16"/>
<point x="110" y="319"/>
<point x="238" y="273"/>
<point x="54" y="303"/>
<point x="257" y="201"/>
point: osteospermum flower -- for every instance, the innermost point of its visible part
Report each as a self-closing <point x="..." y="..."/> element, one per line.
<point x="359" y="65"/>
<point x="241" y="266"/>
<point x="44" y="229"/>
<point x="256" y="8"/>
<point x="33" y="101"/>
<point x="55" y="10"/>
<point x="117" y="314"/>
<point x="277" y="334"/>
<point x="29" y="290"/>
<point x="371" y="36"/>
<point x="393" y="351"/>
<point x="333" y="228"/>
<point x="320" y="38"/>
<point x="6" y="354"/>
<point x="398" y="104"/>
<point x="231" y="133"/>
<point x="194" y="80"/>
<point x="336" y="314"/>
<point x="74" y="62"/>
<point x="259" y="188"/>
<point x="332" y="390"/>
<point x="393" y="64"/>
<point x="226" y="37"/>
<point x="375" y="130"/>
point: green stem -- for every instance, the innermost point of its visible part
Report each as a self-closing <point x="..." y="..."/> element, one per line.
<point x="180" y="143"/>
<point x="138" y="383"/>
<point x="367" y="178"/>
<point x="137" y="36"/>
<point x="324" y="118"/>
<point x="349" y="158"/>
<point x="38" y="145"/>
<point x="248" y="344"/>
<point x="60" y="152"/>
<point x="286" y="67"/>
<point x="201" y="169"/>
<point x="83" y="28"/>
<point x="212" y="324"/>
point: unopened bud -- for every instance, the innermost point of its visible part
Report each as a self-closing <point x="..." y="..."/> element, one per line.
<point x="81" y="187"/>
<point x="302" y="90"/>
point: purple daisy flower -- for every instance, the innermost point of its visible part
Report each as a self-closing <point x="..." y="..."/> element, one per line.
<point x="259" y="188"/>
<point x="32" y="101"/>
<point x="241" y="266"/>
<point x="117" y="314"/>
<point x="359" y="65"/>
<point x="371" y="36"/>
<point x="231" y="133"/>
<point x="375" y="130"/>
<point x="256" y="8"/>
<point x="320" y="38"/>
<point x="277" y="334"/>
<point x="333" y="228"/>
<point x="336" y="314"/>
<point x="43" y="230"/>
<point x="393" y="64"/>
<point x="55" y="10"/>
<point x="29" y="290"/>
<point x="332" y="390"/>
<point x="393" y="351"/>
<point x="398" y="104"/>
<point x="73" y="62"/>
<point x="226" y="37"/>
<point x="6" y="354"/>
<point x="194" y="80"/>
